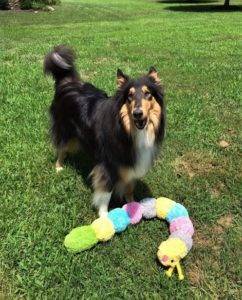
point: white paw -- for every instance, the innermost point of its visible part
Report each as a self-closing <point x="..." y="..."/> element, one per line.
<point x="58" y="169"/>
<point x="103" y="213"/>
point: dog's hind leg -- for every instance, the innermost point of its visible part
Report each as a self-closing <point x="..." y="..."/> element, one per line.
<point x="61" y="155"/>
<point x="102" y="189"/>
<point x="71" y="147"/>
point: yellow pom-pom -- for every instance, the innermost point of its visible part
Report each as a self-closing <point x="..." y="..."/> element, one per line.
<point x="163" y="206"/>
<point x="172" y="250"/>
<point x="103" y="228"/>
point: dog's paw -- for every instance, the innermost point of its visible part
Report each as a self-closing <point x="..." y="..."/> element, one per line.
<point x="58" y="169"/>
<point x="102" y="213"/>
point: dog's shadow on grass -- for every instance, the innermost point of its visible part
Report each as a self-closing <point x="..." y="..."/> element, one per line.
<point x="198" y="6"/>
<point x="185" y="1"/>
<point x="204" y="8"/>
<point x="83" y="165"/>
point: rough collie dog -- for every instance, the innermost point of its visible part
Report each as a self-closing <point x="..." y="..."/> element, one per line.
<point x="121" y="133"/>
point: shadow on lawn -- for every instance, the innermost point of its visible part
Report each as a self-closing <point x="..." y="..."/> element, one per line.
<point x="83" y="165"/>
<point x="186" y="1"/>
<point x="204" y="8"/>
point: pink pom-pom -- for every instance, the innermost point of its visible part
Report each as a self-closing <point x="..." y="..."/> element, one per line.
<point x="182" y="223"/>
<point x="134" y="210"/>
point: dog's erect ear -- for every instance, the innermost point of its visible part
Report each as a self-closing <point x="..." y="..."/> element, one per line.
<point x="154" y="75"/>
<point x="121" y="78"/>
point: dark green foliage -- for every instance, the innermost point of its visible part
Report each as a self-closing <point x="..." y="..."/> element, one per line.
<point x="226" y="3"/>
<point x="49" y="2"/>
<point x="4" y="4"/>
<point x="26" y="4"/>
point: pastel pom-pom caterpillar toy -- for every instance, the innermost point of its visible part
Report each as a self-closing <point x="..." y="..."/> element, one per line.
<point x="170" y="252"/>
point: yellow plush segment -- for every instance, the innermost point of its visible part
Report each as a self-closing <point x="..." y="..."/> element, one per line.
<point x="103" y="228"/>
<point x="163" y="206"/>
<point x="173" y="248"/>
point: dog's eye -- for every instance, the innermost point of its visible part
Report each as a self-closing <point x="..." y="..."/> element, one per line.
<point x="130" y="97"/>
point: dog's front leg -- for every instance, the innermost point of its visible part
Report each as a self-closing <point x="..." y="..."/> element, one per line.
<point x="101" y="201"/>
<point x="129" y="192"/>
<point x="102" y="189"/>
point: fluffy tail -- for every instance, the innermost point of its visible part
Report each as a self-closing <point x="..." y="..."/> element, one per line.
<point x="60" y="63"/>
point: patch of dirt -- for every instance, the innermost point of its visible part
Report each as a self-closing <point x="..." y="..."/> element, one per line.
<point x="223" y="144"/>
<point x="225" y="221"/>
<point x="201" y="240"/>
<point x="212" y="237"/>
<point x="216" y="191"/>
<point x="195" y="273"/>
<point x="216" y="229"/>
<point x="194" y="163"/>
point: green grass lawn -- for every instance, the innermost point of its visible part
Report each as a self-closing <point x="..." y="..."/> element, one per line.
<point x="198" y="52"/>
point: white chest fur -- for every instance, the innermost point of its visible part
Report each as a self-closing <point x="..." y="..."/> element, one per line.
<point x="145" y="151"/>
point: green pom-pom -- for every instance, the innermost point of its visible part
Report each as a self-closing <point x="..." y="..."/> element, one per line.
<point x="80" y="239"/>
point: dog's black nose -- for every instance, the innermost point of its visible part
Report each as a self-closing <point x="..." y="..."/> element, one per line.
<point x="138" y="113"/>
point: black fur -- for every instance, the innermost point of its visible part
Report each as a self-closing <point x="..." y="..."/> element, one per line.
<point x="80" y="110"/>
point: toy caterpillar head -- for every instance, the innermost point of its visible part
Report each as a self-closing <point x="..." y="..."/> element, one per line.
<point x="171" y="251"/>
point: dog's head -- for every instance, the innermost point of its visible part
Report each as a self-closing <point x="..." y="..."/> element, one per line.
<point x="141" y="100"/>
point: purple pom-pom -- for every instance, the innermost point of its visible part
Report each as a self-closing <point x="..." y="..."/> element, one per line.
<point x="148" y="208"/>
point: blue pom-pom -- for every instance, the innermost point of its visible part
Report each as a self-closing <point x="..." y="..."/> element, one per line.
<point x="119" y="218"/>
<point x="177" y="211"/>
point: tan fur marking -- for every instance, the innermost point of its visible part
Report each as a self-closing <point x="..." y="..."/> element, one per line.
<point x="129" y="192"/>
<point x="151" y="110"/>
<point x="145" y="89"/>
<point x="155" y="76"/>
<point x="132" y="90"/>
<point x="126" y="118"/>
<point x="151" y="131"/>
<point x="124" y="174"/>
<point x="120" y="81"/>
<point x="155" y="114"/>
<point x="146" y="105"/>
<point x="72" y="146"/>
<point x="98" y="180"/>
